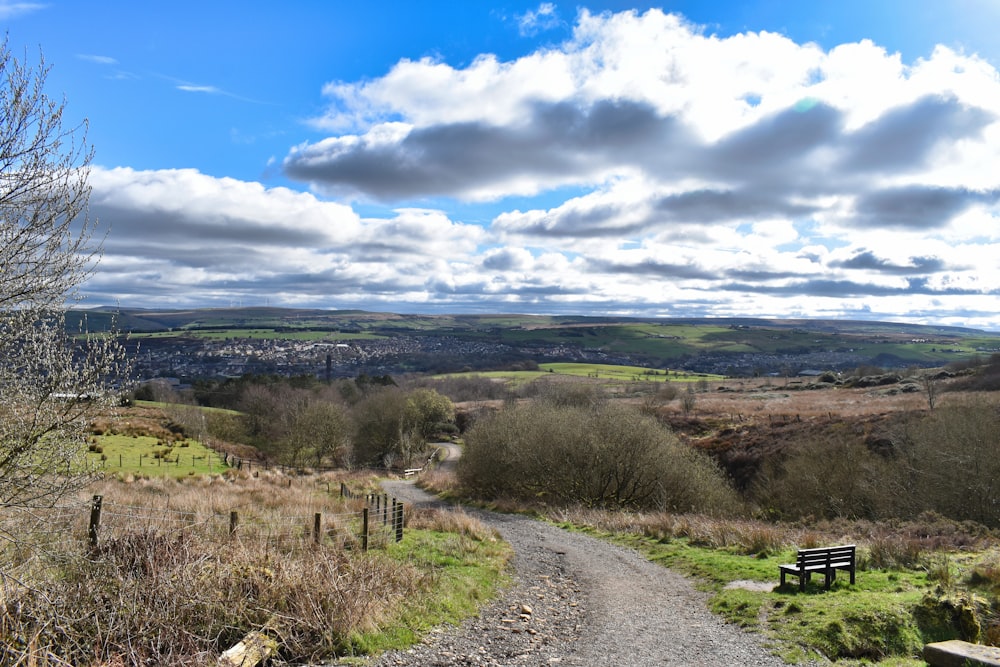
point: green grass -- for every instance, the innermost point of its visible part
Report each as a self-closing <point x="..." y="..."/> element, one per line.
<point x="461" y="574"/>
<point x="151" y="456"/>
<point x="623" y="373"/>
<point x="871" y="622"/>
<point x="597" y="371"/>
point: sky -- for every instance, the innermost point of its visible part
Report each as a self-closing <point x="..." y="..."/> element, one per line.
<point x="682" y="159"/>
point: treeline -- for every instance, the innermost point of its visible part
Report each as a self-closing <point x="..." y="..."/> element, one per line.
<point x="303" y="422"/>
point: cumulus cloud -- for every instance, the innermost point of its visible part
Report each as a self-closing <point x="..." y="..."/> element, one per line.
<point x="643" y="166"/>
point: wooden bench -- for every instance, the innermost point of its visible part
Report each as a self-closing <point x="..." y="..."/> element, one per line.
<point x="824" y="559"/>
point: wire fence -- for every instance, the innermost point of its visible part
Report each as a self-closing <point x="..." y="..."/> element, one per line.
<point x="367" y="521"/>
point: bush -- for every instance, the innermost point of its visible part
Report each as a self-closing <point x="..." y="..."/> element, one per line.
<point x="833" y="477"/>
<point x="604" y="454"/>
<point x="949" y="463"/>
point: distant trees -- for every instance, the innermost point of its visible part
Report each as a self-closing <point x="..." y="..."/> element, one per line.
<point x="343" y="424"/>
<point x="392" y="426"/>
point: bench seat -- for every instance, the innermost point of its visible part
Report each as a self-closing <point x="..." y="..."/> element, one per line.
<point x="822" y="559"/>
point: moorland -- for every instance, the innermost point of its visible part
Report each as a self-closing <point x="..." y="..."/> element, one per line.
<point x="611" y="427"/>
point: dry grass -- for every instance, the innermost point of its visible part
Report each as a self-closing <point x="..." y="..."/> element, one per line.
<point x="168" y="585"/>
<point x="760" y="397"/>
<point x="882" y="545"/>
<point x="452" y="521"/>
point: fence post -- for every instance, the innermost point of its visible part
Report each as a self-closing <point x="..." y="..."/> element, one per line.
<point x="364" y="529"/>
<point x="317" y="527"/>
<point x="95" y="520"/>
<point x="385" y="508"/>
<point x="399" y="521"/>
<point x="234" y="519"/>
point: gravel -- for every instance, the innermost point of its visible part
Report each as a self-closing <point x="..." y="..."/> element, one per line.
<point x="577" y="600"/>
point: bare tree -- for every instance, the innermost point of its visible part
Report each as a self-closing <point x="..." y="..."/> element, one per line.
<point x="688" y="399"/>
<point x="50" y="380"/>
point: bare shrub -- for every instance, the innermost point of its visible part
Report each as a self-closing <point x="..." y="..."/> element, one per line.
<point x="600" y="455"/>
<point x="891" y="552"/>
<point x="834" y="477"/>
<point x="949" y="462"/>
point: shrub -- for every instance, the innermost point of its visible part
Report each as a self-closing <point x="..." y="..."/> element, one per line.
<point x="601" y="454"/>
<point x="833" y="477"/>
<point x="949" y="463"/>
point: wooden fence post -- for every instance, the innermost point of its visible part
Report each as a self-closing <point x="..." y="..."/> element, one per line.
<point x="364" y="529"/>
<point x="234" y="519"/>
<point x="385" y="508"/>
<point x="398" y="521"/>
<point x="95" y="520"/>
<point x="317" y="527"/>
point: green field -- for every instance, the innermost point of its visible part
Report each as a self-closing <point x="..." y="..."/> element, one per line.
<point x="594" y="371"/>
<point x="151" y="456"/>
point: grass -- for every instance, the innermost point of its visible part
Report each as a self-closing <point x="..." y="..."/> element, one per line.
<point x="149" y="455"/>
<point x="607" y="372"/>
<point x="467" y="566"/>
<point x="909" y="590"/>
<point x="170" y="589"/>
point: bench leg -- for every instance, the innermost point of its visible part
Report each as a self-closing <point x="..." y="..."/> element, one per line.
<point x="852" y="576"/>
<point x="782" y="577"/>
<point x="803" y="580"/>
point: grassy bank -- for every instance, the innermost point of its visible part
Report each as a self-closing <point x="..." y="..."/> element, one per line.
<point x="917" y="583"/>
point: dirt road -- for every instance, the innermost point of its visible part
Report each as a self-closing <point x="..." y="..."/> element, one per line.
<point x="579" y="601"/>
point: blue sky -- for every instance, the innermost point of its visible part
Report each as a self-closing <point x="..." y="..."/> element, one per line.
<point x="774" y="159"/>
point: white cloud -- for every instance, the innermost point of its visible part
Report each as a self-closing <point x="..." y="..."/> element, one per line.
<point x="10" y="9"/>
<point x="96" y="59"/>
<point x="534" y="21"/>
<point x="656" y="168"/>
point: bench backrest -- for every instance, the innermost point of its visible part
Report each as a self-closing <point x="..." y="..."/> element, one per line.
<point x="824" y="555"/>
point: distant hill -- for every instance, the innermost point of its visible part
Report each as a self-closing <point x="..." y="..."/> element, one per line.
<point x="139" y="319"/>
<point x="396" y="343"/>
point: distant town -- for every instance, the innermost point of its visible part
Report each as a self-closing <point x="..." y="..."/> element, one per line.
<point x="398" y="346"/>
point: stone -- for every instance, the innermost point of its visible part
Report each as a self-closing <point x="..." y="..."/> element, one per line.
<point x="957" y="653"/>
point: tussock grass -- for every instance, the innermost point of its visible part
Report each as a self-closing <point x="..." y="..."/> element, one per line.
<point x="168" y="585"/>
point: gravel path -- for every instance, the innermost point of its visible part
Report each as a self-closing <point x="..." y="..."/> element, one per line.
<point x="579" y="601"/>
